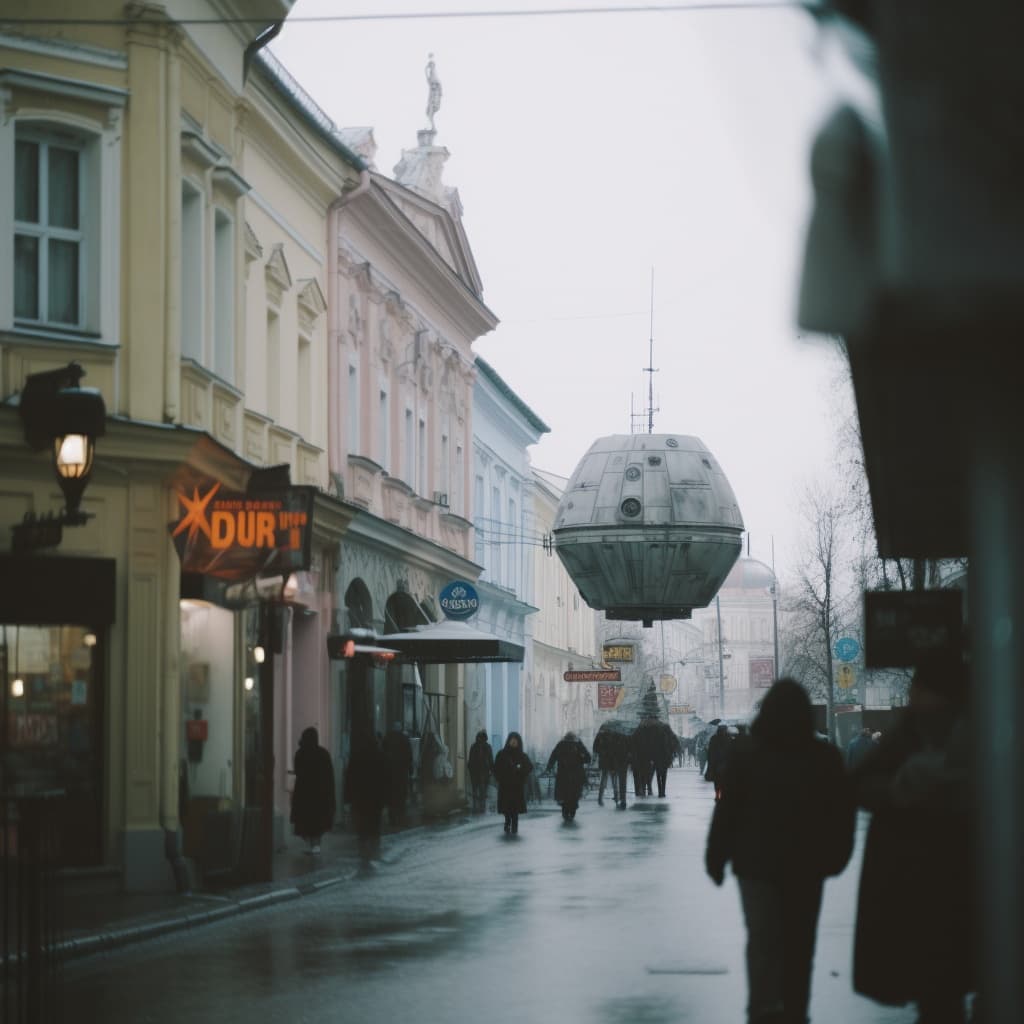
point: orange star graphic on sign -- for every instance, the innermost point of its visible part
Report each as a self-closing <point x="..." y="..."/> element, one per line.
<point x="195" y="513"/>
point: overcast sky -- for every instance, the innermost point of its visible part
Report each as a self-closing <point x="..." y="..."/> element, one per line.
<point x="589" y="149"/>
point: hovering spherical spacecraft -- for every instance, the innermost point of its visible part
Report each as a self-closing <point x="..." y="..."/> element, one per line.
<point x="648" y="527"/>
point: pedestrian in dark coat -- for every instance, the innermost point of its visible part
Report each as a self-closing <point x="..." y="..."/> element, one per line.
<point x="481" y="767"/>
<point x="511" y="769"/>
<point x="718" y="756"/>
<point x="366" y="791"/>
<point x="398" y="751"/>
<point x="571" y="758"/>
<point x="915" y="912"/>
<point x="859" y="747"/>
<point x="785" y="821"/>
<point x="313" y="799"/>
<point x="612" y="748"/>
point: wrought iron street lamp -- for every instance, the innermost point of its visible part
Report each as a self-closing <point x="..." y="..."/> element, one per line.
<point x="60" y="415"/>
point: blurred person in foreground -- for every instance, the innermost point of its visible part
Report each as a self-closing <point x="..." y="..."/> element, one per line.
<point x="785" y="820"/>
<point x="915" y="916"/>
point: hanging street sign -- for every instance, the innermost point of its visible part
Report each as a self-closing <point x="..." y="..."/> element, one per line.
<point x="846" y="648"/>
<point x="609" y="696"/>
<point x="612" y="675"/>
<point x="235" y="536"/>
<point x="459" y="600"/>
<point x="680" y="709"/>
<point x="617" y="652"/>
<point x="845" y="677"/>
<point x="667" y="683"/>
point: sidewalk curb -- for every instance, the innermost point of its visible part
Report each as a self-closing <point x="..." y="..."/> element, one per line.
<point x="117" y="936"/>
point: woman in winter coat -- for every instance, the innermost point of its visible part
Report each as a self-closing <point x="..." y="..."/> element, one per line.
<point x="571" y="758"/>
<point x="786" y="821"/>
<point x="511" y="769"/>
<point x="313" y="803"/>
<point x="916" y="923"/>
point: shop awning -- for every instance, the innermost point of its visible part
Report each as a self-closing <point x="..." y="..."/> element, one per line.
<point x="452" y="643"/>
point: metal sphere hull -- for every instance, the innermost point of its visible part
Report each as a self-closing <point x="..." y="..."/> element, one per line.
<point x="648" y="527"/>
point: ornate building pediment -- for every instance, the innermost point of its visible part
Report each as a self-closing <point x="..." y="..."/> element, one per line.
<point x="311" y="303"/>
<point x="279" y="277"/>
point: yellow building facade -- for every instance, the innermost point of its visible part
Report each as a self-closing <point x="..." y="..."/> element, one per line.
<point x="165" y="190"/>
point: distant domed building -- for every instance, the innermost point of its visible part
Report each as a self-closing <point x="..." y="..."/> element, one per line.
<point x="746" y="605"/>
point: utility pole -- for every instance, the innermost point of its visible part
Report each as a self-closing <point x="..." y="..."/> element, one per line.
<point x="721" y="666"/>
<point x="649" y="369"/>
<point x="775" y="611"/>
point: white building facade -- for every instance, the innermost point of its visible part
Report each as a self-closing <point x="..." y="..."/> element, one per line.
<point x="565" y="636"/>
<point x="503" y="429"/>
<point x="744" y="616"/>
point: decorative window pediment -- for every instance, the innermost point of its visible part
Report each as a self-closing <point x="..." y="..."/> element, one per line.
<point x="279" y="278"/>
<point x="205" y="154"/>
<point x="311" y="303"/>
<point x="253" y="249"/>
<point x="230" y="182"/>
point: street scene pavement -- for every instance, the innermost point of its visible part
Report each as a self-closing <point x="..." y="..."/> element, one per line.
<point x="607" y="919"/>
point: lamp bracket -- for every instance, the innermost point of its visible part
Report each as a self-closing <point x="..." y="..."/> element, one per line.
<point x="47" y="531"/>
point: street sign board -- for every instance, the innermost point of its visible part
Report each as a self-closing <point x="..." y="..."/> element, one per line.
<point x="459" y="600"/>
<point x="617" y="652"/>
<point x="845" y="677"/>
<point x="902" y="627"/>
<point x="612" y="675"/>
<point x="762" y="671"/>
<point x="680" y="709"/>
<point x="846" y="648"/>
<point x="609" y="696"/>
<point x="667" y="683"/>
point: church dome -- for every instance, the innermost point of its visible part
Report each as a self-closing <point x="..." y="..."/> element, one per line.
<point x="749" y="574"/>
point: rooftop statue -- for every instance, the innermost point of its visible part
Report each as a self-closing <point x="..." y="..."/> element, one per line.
<point x="434" y="91"/>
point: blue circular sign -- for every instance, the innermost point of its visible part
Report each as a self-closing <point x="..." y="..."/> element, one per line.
<point x="459" y="600"/>
<point x="846" y="648"/>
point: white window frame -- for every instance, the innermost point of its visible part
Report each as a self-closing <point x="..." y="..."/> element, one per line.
<point x="193" y="271"/>
<point x="98" y="233"/>
<point x="222" y="354"/>
<point x="353" y="409"/>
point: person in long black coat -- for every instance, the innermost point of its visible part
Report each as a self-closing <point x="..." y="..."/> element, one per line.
<point x="571" y="758"/>
<point x="915" y="918"/>
<point x="719" y="747"/>
<point x="512" y="768"/>
<point x="481" y="767"/>
<point x="398" y="751"/>
<point x="660" y="745"/>
<point x="313" y="797"/>
<point x="785" y="821"/>
<point x="612" y="748"/>
<point x="366" y="790"/>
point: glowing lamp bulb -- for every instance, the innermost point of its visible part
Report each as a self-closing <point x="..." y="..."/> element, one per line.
<point x="259" y="655"/>
<point x="18" y="688"/>
<point x="249" y="682"/>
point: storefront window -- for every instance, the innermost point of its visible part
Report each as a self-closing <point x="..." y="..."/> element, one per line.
<point x="52" y="706"/>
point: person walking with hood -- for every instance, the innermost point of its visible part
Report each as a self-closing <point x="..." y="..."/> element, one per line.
<point x="512" y="768"/>
<point x="785" y="821"/>
<point x="481" y="768"/>
<point x="313" y="798"/>
<point x="571" y="758"/>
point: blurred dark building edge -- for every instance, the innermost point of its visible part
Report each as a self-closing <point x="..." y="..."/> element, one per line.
<point x="915" y="258"/>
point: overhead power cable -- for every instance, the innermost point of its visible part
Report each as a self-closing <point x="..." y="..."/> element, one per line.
<point x="699" y="5"/>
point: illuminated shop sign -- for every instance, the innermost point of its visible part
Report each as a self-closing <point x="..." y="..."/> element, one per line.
<point x="237" y="536"/>
<point x="617" y="652"/>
